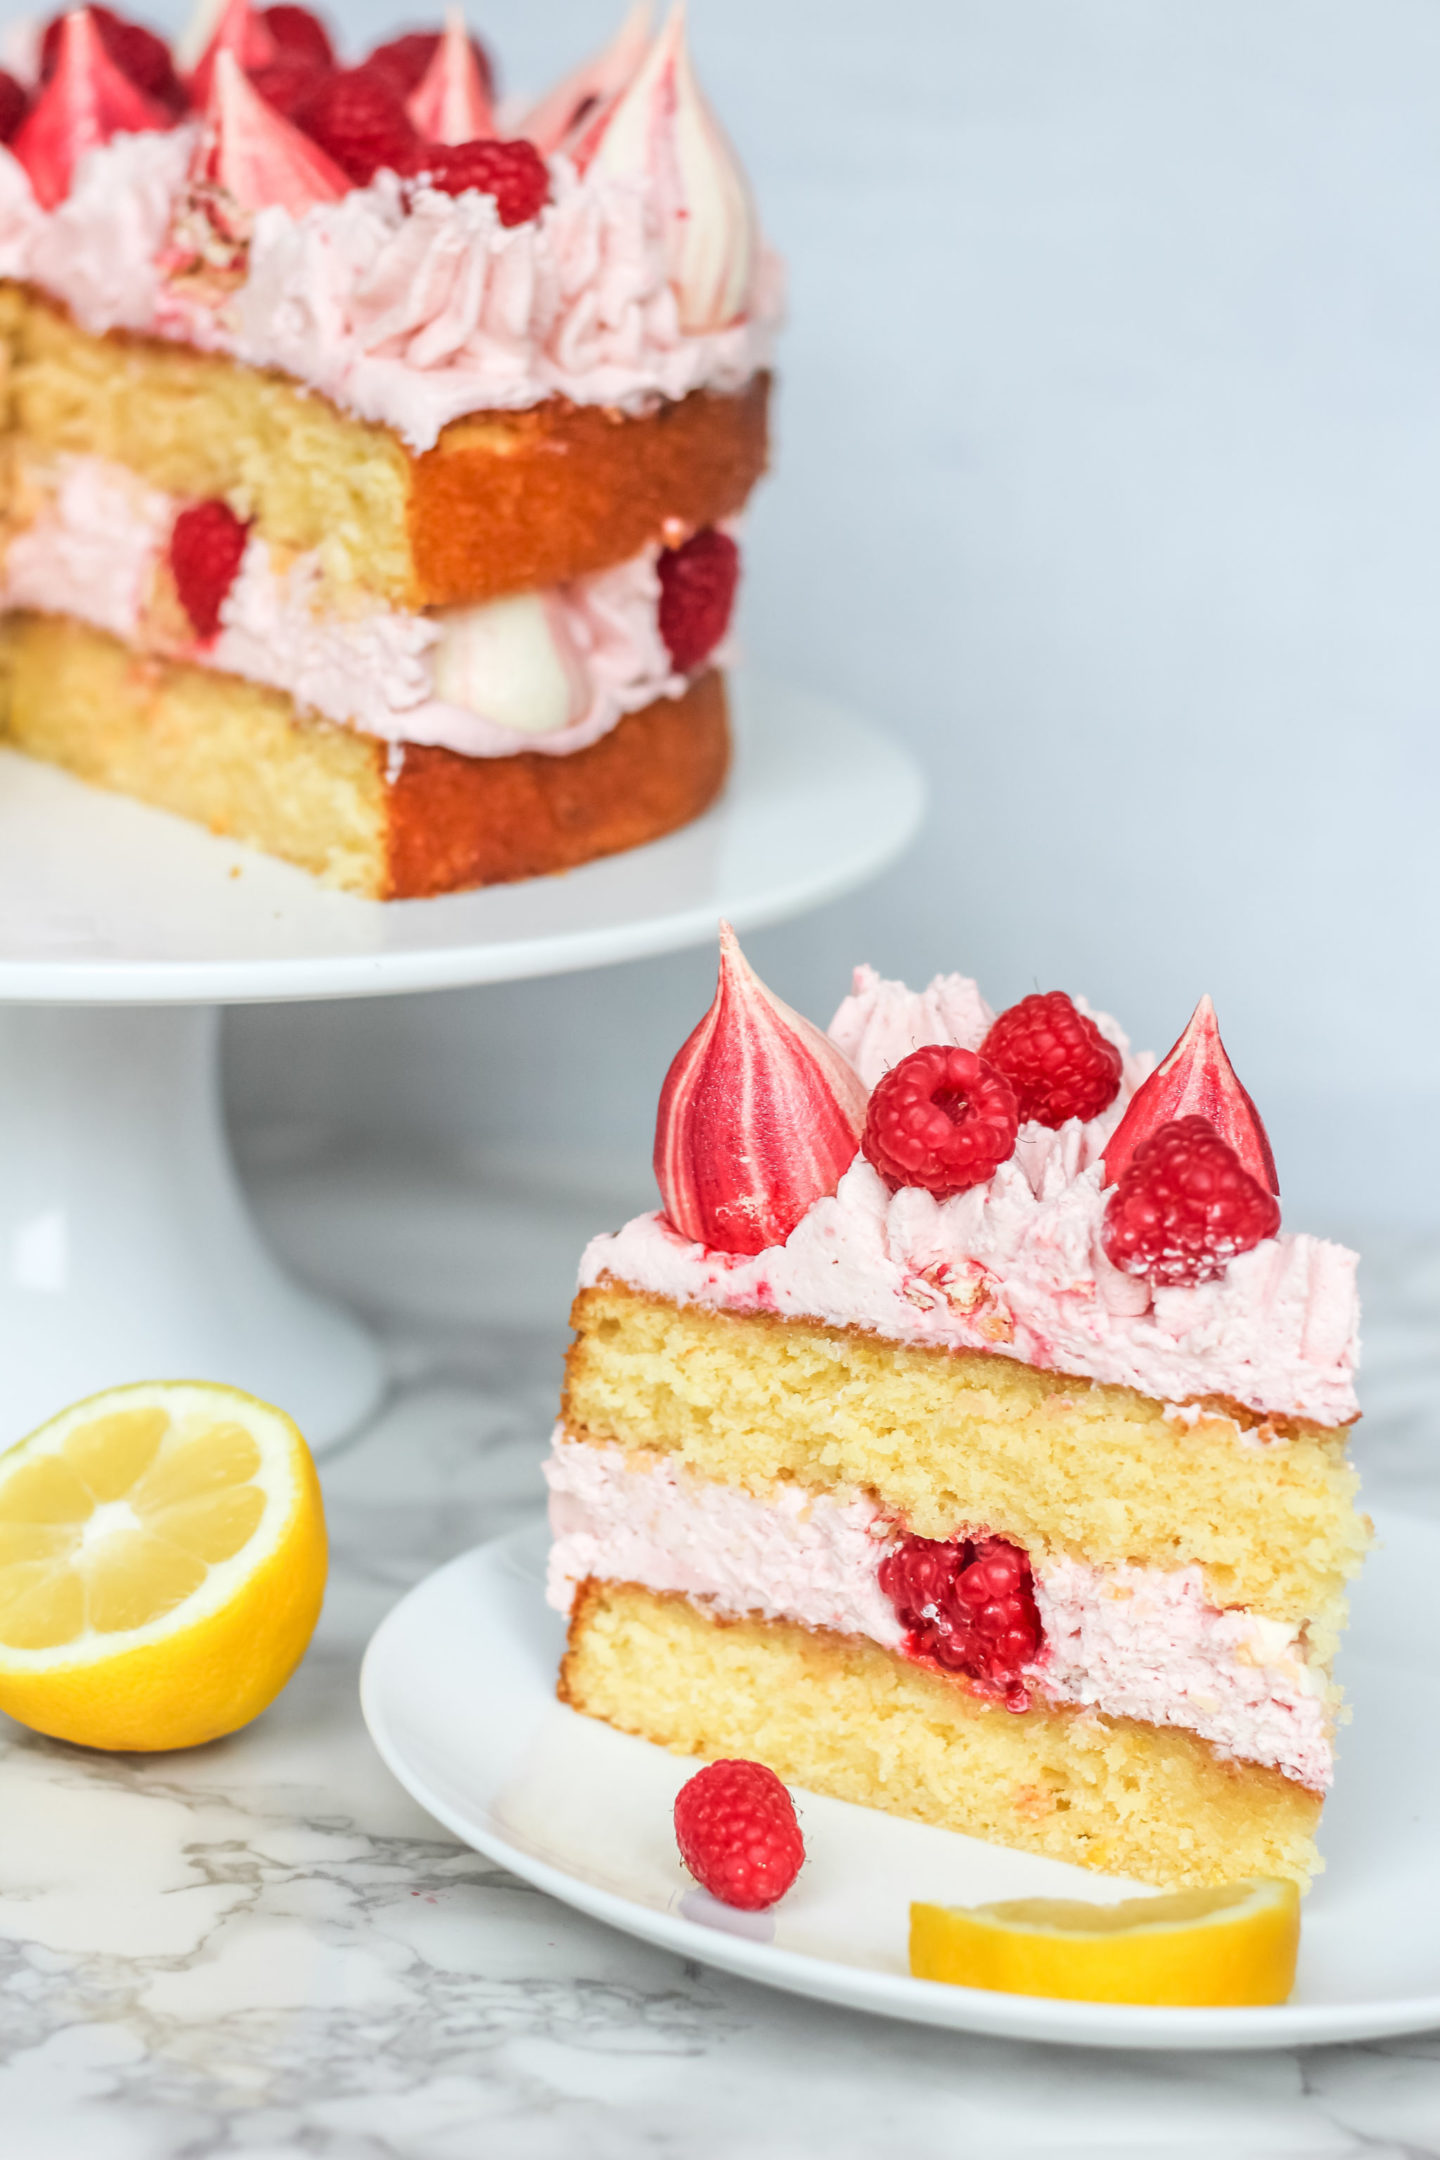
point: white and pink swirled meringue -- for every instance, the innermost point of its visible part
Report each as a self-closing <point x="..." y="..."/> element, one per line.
<point x="644" y="276"/>
<point x="1015" y="1266"/>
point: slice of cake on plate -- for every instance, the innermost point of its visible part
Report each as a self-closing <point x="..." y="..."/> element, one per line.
<point x="375" y="465"/>
<point x="965" y="1438"/>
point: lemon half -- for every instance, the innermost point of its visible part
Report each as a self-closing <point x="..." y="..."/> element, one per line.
<point x="162" y="1566"/>
<point x="1233" y="1945"/>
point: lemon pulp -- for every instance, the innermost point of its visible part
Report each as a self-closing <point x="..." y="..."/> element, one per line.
<point x="162" y="1562"/>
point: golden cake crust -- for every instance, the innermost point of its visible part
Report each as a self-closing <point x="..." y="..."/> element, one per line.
<point x="504" y="502"/>
<point x="840" y="1715"/>
<point x="240" y="759"/>
<point x="457" y="821"/>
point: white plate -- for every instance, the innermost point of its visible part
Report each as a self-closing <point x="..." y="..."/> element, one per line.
<point x="458" y="1692"/>
<point x="103" y="900"/>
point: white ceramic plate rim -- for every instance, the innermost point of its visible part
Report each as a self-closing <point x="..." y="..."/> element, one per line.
<point x="860" y="1987"/>
<point x="104" y="900"/>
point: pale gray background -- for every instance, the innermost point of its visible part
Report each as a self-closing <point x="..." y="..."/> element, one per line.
<point x="1109" y="478"/>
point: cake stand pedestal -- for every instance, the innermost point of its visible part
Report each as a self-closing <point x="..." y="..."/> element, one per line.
<point x="127" y="1251"/>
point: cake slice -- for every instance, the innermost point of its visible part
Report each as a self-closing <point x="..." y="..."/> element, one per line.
<point x="375" y="475"/>
<point x="965" y="1438"/>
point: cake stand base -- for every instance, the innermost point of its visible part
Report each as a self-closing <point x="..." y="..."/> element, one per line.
<point x="127" y="1251"/>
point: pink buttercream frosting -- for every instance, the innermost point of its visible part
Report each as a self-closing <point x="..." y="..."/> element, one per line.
<point x="410" y="308"/>
<point x="1015" y="1266"/>
<point x="1132" y="1642"/>
<point x="99" y="536"/>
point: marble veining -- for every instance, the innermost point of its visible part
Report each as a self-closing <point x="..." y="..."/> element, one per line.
<point x="265" y="1949"/>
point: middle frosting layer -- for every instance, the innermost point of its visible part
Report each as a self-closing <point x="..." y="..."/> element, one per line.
<point x="92" y="545"/>
<point x="1143" y="1643"/>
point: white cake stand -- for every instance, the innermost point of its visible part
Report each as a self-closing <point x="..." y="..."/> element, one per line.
<point x="126" y="1248"/>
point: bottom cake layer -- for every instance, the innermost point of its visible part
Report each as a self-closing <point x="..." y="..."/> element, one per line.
<point x="842" y="1716"/>
<point x="239" y="759"/>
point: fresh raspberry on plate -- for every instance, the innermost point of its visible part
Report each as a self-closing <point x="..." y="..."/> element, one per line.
<point x="697" y="596"/>
<point x="513" y="172"/>
<point x="1055" y="1058"/>
<point x="207" y="543"/>
<point x="14" y="104"/>
<point x="136" y="51"/>
<point x="942" y="1118"/>
<point x="736" y="1828"/>
<point x="1185" y="1207"/>
<point x="359" y="122"/>
<point x="968" y="1603"/>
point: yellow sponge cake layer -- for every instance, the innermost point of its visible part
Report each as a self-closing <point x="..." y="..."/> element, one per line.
<point x="506" y="501"/>
<point x="241" y="760"/>
<point x="841" y="1716"/>
<point x="948" y="1441"/>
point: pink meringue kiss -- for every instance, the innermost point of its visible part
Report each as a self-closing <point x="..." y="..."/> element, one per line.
<point x="452" y="102"/>
<point x="86" y="101"/>
<point x="662" y="129"/>
<point x="241" y="32"/>
<point x="256" y="158"/>
<point x="760" y="1116"/>
<point x="1195" y="1079"/>
<point x="571" y="116"/>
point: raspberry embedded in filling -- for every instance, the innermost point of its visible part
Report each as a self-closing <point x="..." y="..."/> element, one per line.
<point x="968" y="1605"/>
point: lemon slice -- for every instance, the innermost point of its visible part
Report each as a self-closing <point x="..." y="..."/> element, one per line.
<point x="162" y="1566"/>
<point x="1234" y="1944"/>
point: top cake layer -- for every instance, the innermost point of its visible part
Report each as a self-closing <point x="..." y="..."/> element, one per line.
<point x="642" y="277"/>
<point x="1015" y="1264"/>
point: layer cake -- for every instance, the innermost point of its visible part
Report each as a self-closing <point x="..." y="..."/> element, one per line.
<point x="376" y="453"/>
<point x="965" y="1438"/>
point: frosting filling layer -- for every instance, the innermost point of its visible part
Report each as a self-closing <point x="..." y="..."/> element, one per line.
<point x="550" y="672"/>
<point x="1141" y="1643"/>
<point x="1015" y="1266"/>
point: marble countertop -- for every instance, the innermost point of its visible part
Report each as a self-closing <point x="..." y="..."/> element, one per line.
<point x="265" y="1948"/>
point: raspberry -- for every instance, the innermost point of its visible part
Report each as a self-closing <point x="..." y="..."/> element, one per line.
<point x="403" y="63"/>
<point x="1055" y="1058"/>
<point x="697" y="593"/>
<point x="359" y="122"/>
<point x="14" y="105"/>
<point x="968" y="1604"/>
<point x="299" y="35"/>
<point x="206" y="544"/>
<point x="136" y="51"/>
<point x="942" y="1118"/>
<point x="287" y="82"/>
<point x="1185" y="1206"/>
<point x="736" y="1828"/>
<point x="513" y="172"/>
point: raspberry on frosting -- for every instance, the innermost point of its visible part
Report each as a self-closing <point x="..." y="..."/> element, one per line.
<point x="136" y="51"/>
<point x="513" y="172"/>
<point x="697" y="596"/>
<point x="737" y="1831"/>
<point x="360" y="122"/>
<point x="943" y="1118"/>
<point x="299" y="34"/>
<point x="207" y="544"/>
<point x="1055" y="1058"/>
<point x="1185" y="1207"/>
<point x="14" y="104"/>
<point x="404" y="62"/>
